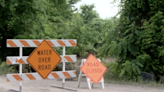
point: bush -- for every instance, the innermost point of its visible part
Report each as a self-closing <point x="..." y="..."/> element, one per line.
<point x="4" y="68"/>
<point x="127" y="70"/>
<point x="112" y="71"/>
<point x="130" y="70"/>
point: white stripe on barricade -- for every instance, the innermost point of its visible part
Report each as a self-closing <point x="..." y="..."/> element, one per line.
<point x="36" y="76"/>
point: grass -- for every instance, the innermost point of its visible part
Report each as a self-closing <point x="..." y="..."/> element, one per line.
<point x="132" y="82"/>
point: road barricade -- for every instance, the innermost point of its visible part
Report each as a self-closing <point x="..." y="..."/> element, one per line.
<point x="20" y="43"/>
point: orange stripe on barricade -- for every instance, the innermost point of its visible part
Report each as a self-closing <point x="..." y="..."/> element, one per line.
<point x="37" y="43"/>
<point x="36" y="76"/>
<point x="55" y="75"/>
<point x="20" y="61"/>
<point x="50" y="43"/>
<point x="11" y="43"/>
<point x="24" y="43"/>
<point x="8" y="61"/>
<point x="17" y="77"/>
<point x="66" y="74"/>
<point x="72" y="42"/>
<point x="61" y="43"/>
<point x="74" y="72"/>
<point x="68" y="58"/>
<point x="30" y="76"/>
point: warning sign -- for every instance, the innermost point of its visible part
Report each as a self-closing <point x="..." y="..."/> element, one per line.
<point x="93" y="69"/>
<point x="44" y="59"/>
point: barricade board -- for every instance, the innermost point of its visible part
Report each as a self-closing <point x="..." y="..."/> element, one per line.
<point x="36" y="76"/>
<point x="11" y="60"/>
<point x="37" y="42"/>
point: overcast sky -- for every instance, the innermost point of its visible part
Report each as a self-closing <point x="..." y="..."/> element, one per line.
<point x="103" y="7"/>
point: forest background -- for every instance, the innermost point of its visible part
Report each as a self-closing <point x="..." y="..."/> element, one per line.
<point x="135" y="40"/>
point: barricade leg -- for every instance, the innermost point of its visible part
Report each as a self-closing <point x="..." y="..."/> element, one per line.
<point x="20" y="72"/>
<point x="63" y="81"/>
<point x="103" y="84"/>
<point x="79" y="78"/>
<point x="92" y="85"/>
<point x="89" y="85"/>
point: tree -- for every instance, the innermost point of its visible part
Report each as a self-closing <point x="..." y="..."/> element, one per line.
<point x="138" y="42"/>
<point x="88" y="29"/>
<point x="31" y="19"/>
<point x="16" y="18"/>
<point x="87" y="13"/>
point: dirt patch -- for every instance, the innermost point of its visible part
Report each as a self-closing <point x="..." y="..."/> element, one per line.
<point x="3" y="89"/>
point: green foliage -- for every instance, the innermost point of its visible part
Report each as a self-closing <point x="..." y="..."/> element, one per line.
<point x="31" y="19"/>
<point x="113" y="70"/>
<point x="138" y="38"/>
<point x="87" y="13"/>
<point x="49" y="19"/>
<point x="87" y="28"/>
<point x="130" y="69"/>
<point x="4" y="68"/>
<point x="52" y="19"/>
<point x="15" y="18"/>
<point x="109" y="37"/>
<point x="121" y="71"/>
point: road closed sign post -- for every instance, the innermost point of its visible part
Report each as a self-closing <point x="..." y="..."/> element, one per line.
<point x="93" y="69"/>
<point x="44" y="59"/>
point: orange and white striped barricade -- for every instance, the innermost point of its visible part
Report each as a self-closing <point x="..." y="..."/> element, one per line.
<point x="88" y="79"/>
<point x="12" y="60"/>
